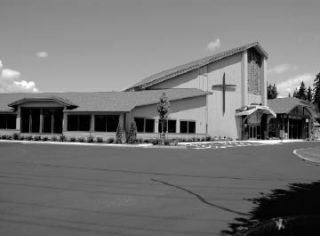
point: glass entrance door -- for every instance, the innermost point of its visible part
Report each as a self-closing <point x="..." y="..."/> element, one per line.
<point x="254" y="132"/>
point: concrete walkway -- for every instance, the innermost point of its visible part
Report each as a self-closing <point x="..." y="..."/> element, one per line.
<point x="309" y="154"/>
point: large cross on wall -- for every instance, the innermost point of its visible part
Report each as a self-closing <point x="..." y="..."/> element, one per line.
<point x="224" y="87"/>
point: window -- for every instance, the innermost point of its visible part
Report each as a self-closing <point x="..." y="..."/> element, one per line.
<point x="168" y="126"/>
<point x="149" y="126"/>
<point x="106" y="123"/>
<point x="7" y="121"/>
<point x="144" y="125"/>
<point x="172" y="126"/>
<point x="79" y="122"/>
<point x="187" y="127"/>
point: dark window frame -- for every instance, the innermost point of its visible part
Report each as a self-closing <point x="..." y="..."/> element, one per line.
<point x="5" y="121"/>
<point x="144" y="129"/>
<point x="188" y="127"/>
<point x="109" y="123"/>
<point x="78" y="126"/>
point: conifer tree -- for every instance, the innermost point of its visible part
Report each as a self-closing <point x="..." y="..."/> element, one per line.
<point x="309" y="94"/>
<point x="316" y="91"/>
<point x="302" y="92"/>
<point x="295" y="93"/>
<point x="132" y="135"/>
<point x="272" y="92"/>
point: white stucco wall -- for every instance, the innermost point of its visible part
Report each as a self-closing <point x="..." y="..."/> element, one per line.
<point x="193" y="109"/>
<point x="219" y="124"/>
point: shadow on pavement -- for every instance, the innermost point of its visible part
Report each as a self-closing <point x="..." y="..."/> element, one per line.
<point x="292" y="211"/>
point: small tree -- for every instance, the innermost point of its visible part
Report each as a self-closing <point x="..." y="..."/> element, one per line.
<point x="295" y="93"/>
<point x="163" y="110"/>
<point x="119" y="134"/>
<point x="132" y="135"/>
<point x="316" y="91"/>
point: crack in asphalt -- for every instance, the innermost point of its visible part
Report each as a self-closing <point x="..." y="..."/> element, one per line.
<point x="201" y="198"/>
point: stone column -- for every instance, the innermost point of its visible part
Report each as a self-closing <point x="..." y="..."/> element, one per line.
<point x="244" y="79"/>
<point x="264" y="83"/>
<point x="41" y="121"/>
<point x="92" y="123"/>
<point x="64" y="122"/>
<point x="18" y="119"/>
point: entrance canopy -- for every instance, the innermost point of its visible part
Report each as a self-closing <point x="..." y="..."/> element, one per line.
<point x="249" y="110"/>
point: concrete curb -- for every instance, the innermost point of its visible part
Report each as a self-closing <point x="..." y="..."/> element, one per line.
<point x="144" y="145"/>
<point x="306" y="159"/>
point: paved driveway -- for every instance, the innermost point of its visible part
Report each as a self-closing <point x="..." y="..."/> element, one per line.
<point x="74" y="190"/>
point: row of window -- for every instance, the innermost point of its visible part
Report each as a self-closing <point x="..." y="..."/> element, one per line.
<point x="102" y="123"/>
<point x="7" y="121"/>
<point x="109" y="123"/>
<point x="145" y="125"/>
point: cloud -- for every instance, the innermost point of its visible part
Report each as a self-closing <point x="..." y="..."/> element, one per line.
<point x="214" y="45"/>
<point x="42" y="54"/>
<point x="280" y="69"/>
<point x="289" y="85"/>
<point x="10" y="74"/>
<point x="9" y="81"/>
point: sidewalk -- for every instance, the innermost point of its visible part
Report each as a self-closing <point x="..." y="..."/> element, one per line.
<point x="309" y="154"/>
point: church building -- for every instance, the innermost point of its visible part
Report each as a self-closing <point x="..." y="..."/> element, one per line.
<point x="221" y="95"/>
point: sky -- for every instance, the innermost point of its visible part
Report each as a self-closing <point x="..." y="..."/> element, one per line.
<point x="108" y="45"/>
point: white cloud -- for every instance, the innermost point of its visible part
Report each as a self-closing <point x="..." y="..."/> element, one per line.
<point x="214" y="45"/>
<point x="289" y="85"/>
<point x="10" y="74"/>
<point x="9" y="81"/>
<point x="277" y="70"/>
<point x="42" y="54"/>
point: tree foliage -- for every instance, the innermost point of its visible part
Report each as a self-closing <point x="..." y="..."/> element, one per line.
<point x="119" y="134"/>
<point x="316" y="91"/>
<point x="309" y="94"/>
<point x="302" y="93"/>
<point x="272" y="92"/>
<point x="132" y="134"/>
<point x="163" y="109"/>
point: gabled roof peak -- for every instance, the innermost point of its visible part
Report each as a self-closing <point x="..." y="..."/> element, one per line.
<point x="196" y="64"/>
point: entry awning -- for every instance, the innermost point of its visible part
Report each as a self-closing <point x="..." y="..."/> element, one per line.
<point x="248" y="110"/>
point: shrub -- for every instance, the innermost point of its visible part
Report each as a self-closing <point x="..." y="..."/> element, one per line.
<point x="132" y="135"/>
<point x="16" y="136"/>
<point x="29" y="138"/>
<point x="8" y="137"/>
<point x="203" y="139"/>
<point x="44" y="138"/>
<point x="62" y="138"/>
<point x="54" y="138"/>
<point x="99" y="140"/>
<point x="81" y="139"/>
<point x="72" y="139"/>
<point x="110" y="140"/>
<point x="146" y="141"/>
<point x="37" y="138"/>
<point x="208" y="138"/>
<point x="155" y="141"/>
<point x="21" y="137"/>
<point x="119" y="134"/>
<point x="166" y="142"/>
<point x="90" y="139"/>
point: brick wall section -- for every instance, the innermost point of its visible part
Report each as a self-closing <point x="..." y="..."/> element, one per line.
<point x="255" y="72"/>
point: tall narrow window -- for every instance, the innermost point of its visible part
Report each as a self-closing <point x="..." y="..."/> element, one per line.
<point x="172" y="126"/>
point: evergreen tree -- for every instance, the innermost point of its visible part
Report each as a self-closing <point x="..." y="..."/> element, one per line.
<point x="163" y="110"/>
<point x="309" y="94"/>
<point x="316" y="91"/>
<point x="295" y="93"/>
<point x="302" y="92"/>
<point x="132" y="135"/>
<point x="119" y="134"/>
<point x="272" y="92"/>
<point x="289" y="95"/>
